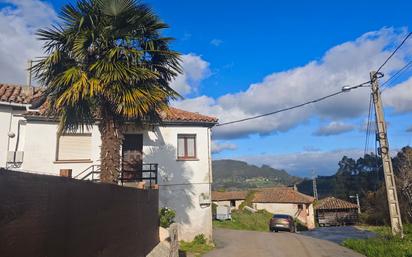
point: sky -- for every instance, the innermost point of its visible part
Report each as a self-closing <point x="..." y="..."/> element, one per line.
<point x="243" y="58"/>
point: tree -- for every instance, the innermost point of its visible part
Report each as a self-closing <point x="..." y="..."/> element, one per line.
<point x="402" y="164"/>
<point x="107" y="63"/>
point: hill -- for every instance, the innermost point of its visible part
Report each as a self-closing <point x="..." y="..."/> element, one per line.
<point x="233" y="174"/>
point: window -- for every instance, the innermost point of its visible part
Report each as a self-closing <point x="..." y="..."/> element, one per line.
<point x="186" y="147"/>
<point x="74" y="147"/>
<point x="232" y="203"/>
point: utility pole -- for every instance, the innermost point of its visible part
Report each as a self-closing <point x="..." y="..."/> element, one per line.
<point x="357" y="201"/>
<point x="315" y="188"/>
<point x="381" y="136"/>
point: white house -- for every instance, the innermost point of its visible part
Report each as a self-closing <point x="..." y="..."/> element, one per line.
<point x="276" y="200"/>
<point x="178" y="150"/>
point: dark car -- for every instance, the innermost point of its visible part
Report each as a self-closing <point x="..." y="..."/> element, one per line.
<point x="281" y="222"/>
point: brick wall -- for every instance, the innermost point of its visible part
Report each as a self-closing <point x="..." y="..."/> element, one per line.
<point x="47" y="216"/>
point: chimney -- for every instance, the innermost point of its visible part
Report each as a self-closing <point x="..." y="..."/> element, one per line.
<point x="295" y="187"/>
<point x="28" y="89"/>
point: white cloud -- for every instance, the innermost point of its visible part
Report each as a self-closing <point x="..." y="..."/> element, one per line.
<point x="399" y="97"/>
<point x="347" y="63"/>
<point x="195" y="69"/>
<point x="216" y="42"/>
<point x="333" y="128"/>
<point x="218" y="147"/>
<point x="19" y="21"/>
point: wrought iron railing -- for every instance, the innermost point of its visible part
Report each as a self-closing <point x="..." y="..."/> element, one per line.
<point x="148" y="172"/>
<point x="92" y="173"/>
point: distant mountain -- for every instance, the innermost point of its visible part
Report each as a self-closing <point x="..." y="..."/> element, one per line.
<point x="233" y="174"/>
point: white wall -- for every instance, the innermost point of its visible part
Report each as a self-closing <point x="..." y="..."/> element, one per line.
<point x="9" y="118"/>
<point x="181" y="183"/>
<point x="5" y="119"/>
<point x="40" y="149"/>
<point x="227" y="203"/>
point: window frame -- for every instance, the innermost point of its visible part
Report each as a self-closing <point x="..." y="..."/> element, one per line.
<point x="82" y="160"/>
<point x="186" y="157"/>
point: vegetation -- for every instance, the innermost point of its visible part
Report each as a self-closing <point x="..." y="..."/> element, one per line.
<point x="107" y="60"/>
<point x="167" y="217"/>
<point x="198" y="246"/>
<point x="365" y="177"/>
<point x="232" y="175"/>
<point x="384" y="245"/>
<point x="245" y="220"/>
<point x="248" y="200"/>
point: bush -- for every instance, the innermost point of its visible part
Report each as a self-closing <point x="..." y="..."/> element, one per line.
<point x="200" y="239"/>
<point x="167" y="217"/>
<point x="198" y="246"/>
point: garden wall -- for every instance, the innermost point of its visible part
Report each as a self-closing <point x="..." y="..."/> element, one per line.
<point x="61" y="217"/>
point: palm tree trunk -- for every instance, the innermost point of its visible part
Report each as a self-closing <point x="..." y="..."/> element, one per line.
<point x="112" y="138"/>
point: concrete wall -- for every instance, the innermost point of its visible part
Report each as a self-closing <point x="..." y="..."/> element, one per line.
<point x="183" y="184"/>
<point x="55" y="216"/>
<point x="306" y="215"/>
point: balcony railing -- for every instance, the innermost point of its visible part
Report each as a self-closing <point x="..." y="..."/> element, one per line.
<point x="147" y="173"/>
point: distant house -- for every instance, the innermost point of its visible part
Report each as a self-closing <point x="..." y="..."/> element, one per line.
<point x="332" y="211"/>
<point x="276" y="200"/>
<point x="174" y="153"/>
<point x="233" y="199"/>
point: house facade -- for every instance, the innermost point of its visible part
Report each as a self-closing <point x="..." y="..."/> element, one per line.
<point x="276" y="200"/>
<point x="176" y="152"/>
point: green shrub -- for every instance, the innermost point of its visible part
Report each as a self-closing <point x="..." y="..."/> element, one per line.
<point x="200" y="239"/>
<point x="167" y="217"/>
<point x="384" y="245"/>
<point x="246" y="220"/>
<point x="198" y="246"/>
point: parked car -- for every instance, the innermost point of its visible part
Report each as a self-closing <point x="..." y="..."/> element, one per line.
<point x="282" y="222"/>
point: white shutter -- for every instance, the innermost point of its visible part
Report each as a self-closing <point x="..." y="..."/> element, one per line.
<point x="180" y="147"/>
<point x="74" y="147"/>
<point x="191" y="152"/>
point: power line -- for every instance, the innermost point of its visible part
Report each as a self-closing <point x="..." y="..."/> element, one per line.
<point x="343" y="90"/>
<point x="396" y="75"/>
<point x="368" y="126"/>
<point x="393" y="53"/>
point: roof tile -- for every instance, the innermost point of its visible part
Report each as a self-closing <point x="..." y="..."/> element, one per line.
<point x="16" y="94"/>
<point x="332" y="203"/>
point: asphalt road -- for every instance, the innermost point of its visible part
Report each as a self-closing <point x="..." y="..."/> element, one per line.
<point x="237" y="243"/>
<point x="338" y="234"/>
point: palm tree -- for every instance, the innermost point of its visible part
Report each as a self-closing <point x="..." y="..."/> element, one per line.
<point x="107" y="63"/>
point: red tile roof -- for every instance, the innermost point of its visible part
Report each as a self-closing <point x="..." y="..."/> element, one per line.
<point x="266" y="195"/>
<point x="332" y="203"/>
<point x="231" y="195"/>
<point x="16" y="94"/>
<point x="281" y="195"/>
<point x="174" y="114"/>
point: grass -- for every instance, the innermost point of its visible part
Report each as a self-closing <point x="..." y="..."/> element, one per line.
<point x="245" y="220"/>
<point x="384" y="245"/>
<point x="197" y="247"/>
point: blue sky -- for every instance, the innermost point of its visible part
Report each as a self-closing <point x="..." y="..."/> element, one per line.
<point x="244" y="58"/>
